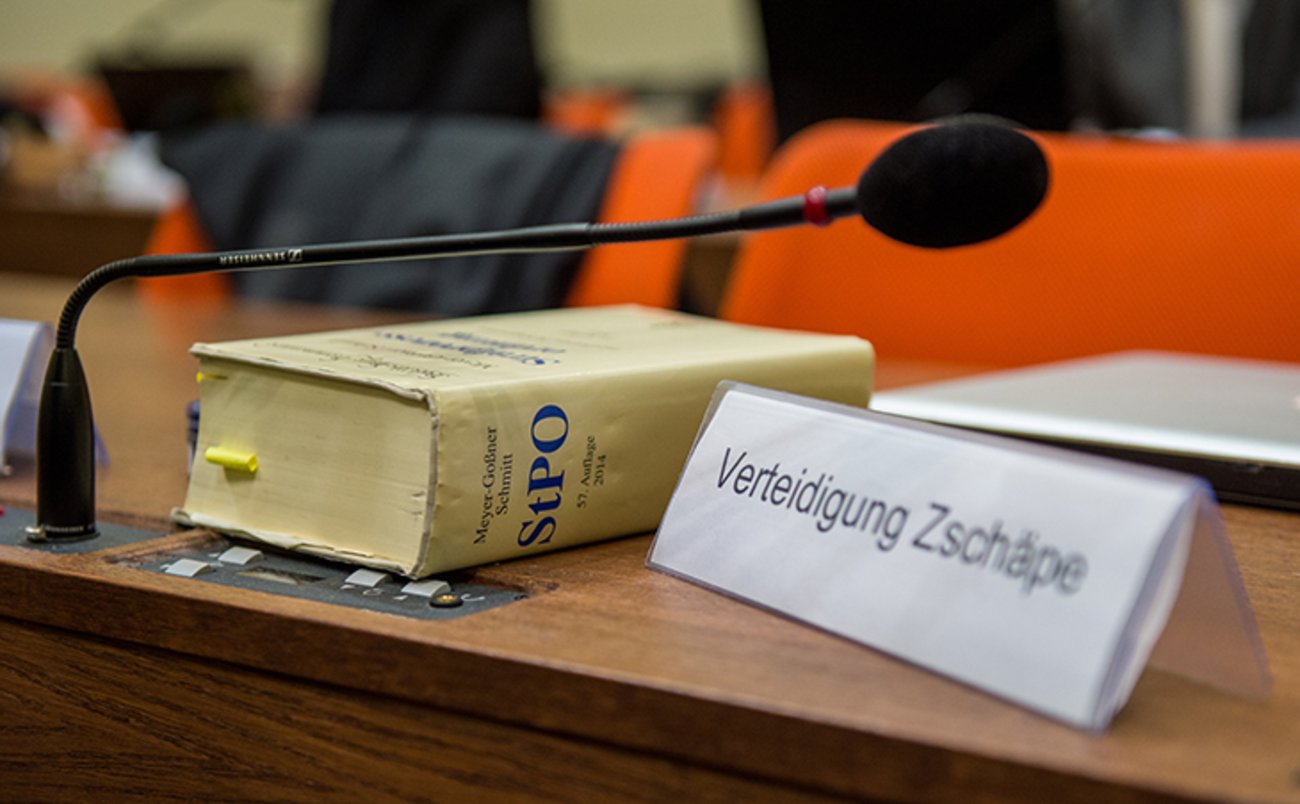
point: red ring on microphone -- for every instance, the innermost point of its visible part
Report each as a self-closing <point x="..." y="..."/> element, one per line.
<point x="814" y="207"/>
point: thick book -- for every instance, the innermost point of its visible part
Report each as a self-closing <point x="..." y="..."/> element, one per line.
<point x="428" y="447"/>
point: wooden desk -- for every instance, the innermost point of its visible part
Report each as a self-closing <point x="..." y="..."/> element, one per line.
<point x="609" y="682"/>
<point x="48" y="235"/>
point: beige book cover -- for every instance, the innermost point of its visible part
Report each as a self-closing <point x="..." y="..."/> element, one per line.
<point x="427" y="447"/>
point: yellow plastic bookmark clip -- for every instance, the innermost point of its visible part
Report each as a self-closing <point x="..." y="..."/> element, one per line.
<point x="234" y="459"/>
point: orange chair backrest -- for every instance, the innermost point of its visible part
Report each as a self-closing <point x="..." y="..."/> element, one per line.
<point x="658" y="175"/>
<point x="598" y="111"/>
<point x="745" y="121"/>
<point x="178" y="231"/>
<point x="1139" y="244"/>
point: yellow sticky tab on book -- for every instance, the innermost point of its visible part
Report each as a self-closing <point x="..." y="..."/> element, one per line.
<point x="234" y="459"/>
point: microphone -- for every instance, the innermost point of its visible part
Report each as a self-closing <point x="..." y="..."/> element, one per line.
<point x="953" y="185"/>
<point x="949" y="185"/>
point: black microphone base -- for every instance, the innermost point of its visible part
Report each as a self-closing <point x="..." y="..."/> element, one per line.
<point x="18" y="523"/>
<point x="65" y="454"/>
<point x="44" y="534"/>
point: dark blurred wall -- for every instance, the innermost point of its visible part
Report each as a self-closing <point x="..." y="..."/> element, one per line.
<point x="430" y="56"/>
<point x="914" y="60"/>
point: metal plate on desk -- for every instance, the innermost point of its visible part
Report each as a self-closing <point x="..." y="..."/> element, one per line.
<point x="265" y="569"/>
<point x="253" y="566"/>
<point x="13" y="532"/>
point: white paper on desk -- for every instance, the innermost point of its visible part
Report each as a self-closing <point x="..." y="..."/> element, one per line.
<point x="24" y="350"/>
<point x="1072" y="651"/>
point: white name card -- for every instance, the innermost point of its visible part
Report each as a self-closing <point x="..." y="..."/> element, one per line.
<point x="24" y="349"/>
<point x="1039" y="575"/>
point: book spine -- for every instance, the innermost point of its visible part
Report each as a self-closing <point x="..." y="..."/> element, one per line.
<point x="528" y="468"/>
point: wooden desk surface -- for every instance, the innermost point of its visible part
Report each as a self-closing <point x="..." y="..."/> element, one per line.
<point x="34" y="229"/>
<point x="609" y="681"/>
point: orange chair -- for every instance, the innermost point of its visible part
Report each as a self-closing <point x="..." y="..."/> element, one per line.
<point x="657" y="175"/>
<point x="746" y="124"/>
<point x="89" y="100"/>
<point x="1139" y="244"/>
<point x="178" y="231"/>
<point x="597" y="111"/>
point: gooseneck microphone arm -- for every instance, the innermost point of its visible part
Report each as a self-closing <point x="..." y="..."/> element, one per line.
<point x="65" y="470"/>
<point x="818" y="206"/>
<point x="949" y="185"/>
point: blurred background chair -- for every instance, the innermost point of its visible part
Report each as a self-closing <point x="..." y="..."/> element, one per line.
<point x="1170" y="245"/>
<point x="659" y="174"/>
<point x="744" y="117"/>
<point x="653" y="175"/>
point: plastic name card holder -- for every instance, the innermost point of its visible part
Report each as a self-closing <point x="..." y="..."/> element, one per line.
<point x="1043" y="576"/>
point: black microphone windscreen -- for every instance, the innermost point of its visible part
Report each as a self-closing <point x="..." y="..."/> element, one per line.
<point x="953" y="184"/>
